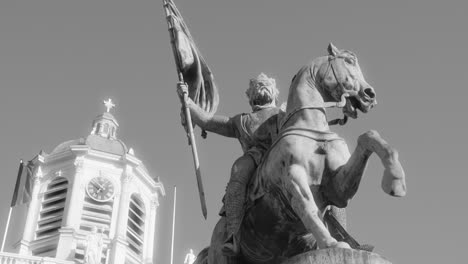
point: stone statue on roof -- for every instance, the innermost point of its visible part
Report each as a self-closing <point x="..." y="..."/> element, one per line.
<point x="190" y="257"/>
<point x="94" y="246"/>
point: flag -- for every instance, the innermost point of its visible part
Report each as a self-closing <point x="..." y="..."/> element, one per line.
<point x="22" y="192"/>
<point x="190" y="62"/>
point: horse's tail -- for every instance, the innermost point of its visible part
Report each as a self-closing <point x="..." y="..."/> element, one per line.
<point x="202" y="257"/>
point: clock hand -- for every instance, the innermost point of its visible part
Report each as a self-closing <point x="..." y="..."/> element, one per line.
<point x="96" y="185"/>
<point x="99" y="186"/>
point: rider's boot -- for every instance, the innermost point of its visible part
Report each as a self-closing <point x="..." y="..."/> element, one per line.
<point x="230" y="247"/>
<point x="234" y="206"/>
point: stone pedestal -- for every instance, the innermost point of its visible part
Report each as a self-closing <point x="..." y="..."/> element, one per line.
<point x="337" y="256"/>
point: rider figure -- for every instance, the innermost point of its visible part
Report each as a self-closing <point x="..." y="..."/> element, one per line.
<point x="254" y="131"/>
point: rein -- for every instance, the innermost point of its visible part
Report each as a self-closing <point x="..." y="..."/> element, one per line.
<point x="339" y="104"/>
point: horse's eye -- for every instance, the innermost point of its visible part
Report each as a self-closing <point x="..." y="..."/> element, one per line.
<point x="350" y="61"/>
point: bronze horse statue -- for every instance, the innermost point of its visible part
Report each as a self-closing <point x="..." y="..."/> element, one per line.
<point x="308" y="169"/>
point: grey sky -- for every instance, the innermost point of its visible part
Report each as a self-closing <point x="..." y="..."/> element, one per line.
<point x="60" y="59"/>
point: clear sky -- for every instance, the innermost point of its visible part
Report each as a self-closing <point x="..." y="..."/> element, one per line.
<point x="60" y="58"/>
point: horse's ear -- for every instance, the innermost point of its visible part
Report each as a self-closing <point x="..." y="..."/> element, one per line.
<point x="332" y="50"/>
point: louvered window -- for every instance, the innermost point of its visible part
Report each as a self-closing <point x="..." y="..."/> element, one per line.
<point x="98" y="214"/>
<point x="136" y="225"/>
<point x="53" y="204"/>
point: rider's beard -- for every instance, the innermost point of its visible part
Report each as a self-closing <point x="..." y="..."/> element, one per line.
<point x="262" y="97"/>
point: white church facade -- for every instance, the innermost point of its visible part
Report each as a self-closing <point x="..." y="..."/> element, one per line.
<point x="92" y="201"/>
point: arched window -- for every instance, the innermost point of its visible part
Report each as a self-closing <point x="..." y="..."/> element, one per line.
<point x="106" y="128"/>
<point x="53" y="205"/>
<point x="136" y="225"/>
<point x="98" y="129"/>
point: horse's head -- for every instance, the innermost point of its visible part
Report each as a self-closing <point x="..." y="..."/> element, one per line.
<point x="341" y="77"/>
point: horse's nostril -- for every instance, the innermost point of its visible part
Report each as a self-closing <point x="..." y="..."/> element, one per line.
<point x="369" y="92"/>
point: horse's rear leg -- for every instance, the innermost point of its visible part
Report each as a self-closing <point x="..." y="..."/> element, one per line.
<point x="347" y="179"/>
<point x="303" y="204"/>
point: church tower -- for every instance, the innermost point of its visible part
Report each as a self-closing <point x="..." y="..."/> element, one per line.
<point x="92" y="201"/>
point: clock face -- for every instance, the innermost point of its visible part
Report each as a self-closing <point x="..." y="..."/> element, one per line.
<point x="100" y="189"/>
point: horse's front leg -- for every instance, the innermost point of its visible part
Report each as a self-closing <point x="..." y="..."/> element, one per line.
<point x="349" y="174"/>
<point x="393" y="181"/>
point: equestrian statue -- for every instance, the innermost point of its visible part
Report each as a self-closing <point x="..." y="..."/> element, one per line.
<point x="307" y="169"/>
<point x="294" y="170"/>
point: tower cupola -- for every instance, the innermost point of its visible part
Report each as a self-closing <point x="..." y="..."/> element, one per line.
<point x="105" y="124"/>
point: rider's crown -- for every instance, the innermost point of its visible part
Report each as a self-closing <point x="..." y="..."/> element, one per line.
<point x="262" y="78"/>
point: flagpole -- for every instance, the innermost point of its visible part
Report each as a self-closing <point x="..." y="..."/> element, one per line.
<point x="173" y="224"/>
<point x="6" y="229"/>
<point x="188" y="118"/>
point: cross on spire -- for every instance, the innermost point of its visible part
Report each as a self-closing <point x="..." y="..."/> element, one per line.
<point x="109" y="105"/>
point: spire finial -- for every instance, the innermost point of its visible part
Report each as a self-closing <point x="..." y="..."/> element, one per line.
<point x="109" y="105"/>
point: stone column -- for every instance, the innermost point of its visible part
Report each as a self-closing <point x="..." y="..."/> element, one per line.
<point x="72" y="215"/>
<point x="67" y="244"/>
<point x="151" y="227"/>
<point x="74" y="204"/>
<point x="119" y="243"/>
<point x="31" y="218"/>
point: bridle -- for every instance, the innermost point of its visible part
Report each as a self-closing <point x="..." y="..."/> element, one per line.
<point x="340" y="104"/>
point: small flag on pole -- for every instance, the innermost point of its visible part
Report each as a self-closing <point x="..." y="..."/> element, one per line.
<point x="22" y="191"/>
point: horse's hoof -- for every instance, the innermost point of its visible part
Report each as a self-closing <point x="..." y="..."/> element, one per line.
<point x="333" y="243"/>
<point x="341" y="244"/>
<point x="393" y="182"/>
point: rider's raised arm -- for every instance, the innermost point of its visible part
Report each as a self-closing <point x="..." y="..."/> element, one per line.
<point x="221" y="125"/>
<point x="218" y="124"/>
